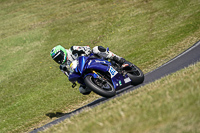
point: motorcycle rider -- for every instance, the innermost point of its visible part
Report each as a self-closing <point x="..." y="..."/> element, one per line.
<point x="64" y="57"/>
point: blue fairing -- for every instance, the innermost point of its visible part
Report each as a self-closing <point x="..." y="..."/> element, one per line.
<point x="94" y="63"/>
<point x="98" y="64"/>
<point x="91" y="63"/>
<point x="86" y="63"/>
<point x="74" y="77"/>
<point x="81" y="65"/>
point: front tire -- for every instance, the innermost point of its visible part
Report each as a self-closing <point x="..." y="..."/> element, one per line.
<point x="102" y="88"/>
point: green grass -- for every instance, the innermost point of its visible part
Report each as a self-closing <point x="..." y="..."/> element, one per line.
<point x="147" y="33"/>
<point x="169" y="105"/>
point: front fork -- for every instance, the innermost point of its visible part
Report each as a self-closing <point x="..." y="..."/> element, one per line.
<point x="94" y="74"/>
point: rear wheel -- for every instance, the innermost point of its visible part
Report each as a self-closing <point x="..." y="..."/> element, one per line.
<point x="100" y="86"/>
<point x="135" y="74"/>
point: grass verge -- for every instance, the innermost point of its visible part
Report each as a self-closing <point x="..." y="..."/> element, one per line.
<point x="145" y="32"/>
<point x="170" y="104"/>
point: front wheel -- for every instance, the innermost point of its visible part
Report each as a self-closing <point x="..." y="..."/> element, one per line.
<point x="100" y="86"/>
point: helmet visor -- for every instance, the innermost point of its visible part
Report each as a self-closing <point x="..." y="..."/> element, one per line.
<point x="59" y="57"/>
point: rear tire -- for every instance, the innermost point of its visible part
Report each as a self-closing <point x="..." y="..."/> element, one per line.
<point x="108" y="92"/>
<point x="136" y="75"/>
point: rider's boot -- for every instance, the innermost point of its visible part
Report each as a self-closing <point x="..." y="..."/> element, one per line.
<point x="119" y="60"/>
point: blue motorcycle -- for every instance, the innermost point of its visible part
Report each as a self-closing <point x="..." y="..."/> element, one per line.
<point x="104" y="77"/>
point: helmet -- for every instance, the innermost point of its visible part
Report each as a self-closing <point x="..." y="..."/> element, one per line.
<point x="59" y="54"/>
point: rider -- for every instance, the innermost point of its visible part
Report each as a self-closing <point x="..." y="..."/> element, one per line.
<point x="64" y="57"/>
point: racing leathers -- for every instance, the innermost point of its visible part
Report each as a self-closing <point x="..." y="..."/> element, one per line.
<point x="76" y="51"/>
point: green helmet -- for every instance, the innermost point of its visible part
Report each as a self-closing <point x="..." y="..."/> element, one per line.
<point x="59" y="54"/>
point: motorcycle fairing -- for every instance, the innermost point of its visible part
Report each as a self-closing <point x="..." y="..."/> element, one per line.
<point x="74" y="77"/>
<point x="98" y="64"/>
<point x="82" y="61"/>
<point x="85" y="64"/>
<point x="118" y="80"/>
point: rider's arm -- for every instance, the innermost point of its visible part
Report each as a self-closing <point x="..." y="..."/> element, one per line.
<point x="64" y="69"/>
<point x="80" y="50"/>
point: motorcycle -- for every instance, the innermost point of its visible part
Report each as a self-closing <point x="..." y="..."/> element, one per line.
<point x="104" y="77"/>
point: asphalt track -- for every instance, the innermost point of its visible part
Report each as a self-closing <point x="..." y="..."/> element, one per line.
<point x="188" y="57"/>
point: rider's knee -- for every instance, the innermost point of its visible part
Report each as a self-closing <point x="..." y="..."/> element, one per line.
<point x="84" y="90"/>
